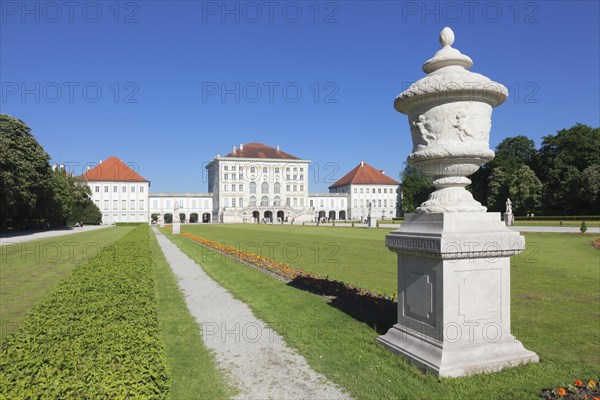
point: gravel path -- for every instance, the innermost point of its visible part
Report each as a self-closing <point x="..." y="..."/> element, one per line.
<point x="254" y="358"/>
<point x="26" y="236"/>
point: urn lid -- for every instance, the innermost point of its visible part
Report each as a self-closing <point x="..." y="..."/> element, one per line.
<point x="449" y="79"/>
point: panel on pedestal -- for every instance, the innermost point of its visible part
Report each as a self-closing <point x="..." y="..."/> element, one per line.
<point x="480" y="295"/>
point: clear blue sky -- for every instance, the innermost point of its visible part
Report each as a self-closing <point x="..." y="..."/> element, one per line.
<point x="162" y="66"/>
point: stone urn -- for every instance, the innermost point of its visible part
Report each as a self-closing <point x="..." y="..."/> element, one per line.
<point x="453" y="257"/>
<point x="449" y="113"/>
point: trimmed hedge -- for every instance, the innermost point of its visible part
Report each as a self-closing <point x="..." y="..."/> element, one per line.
<point x="130" y="223"/>
<point x="559" y="218"/>
<point x="95" y="336"/>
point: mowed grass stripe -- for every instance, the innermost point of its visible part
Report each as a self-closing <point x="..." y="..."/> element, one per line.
<point x="555" y="303"/>
<point x="96" y="335"/>
<point x="352" y="255"/>
<point x="29" y="270"/>
<point x="192" y="366"/>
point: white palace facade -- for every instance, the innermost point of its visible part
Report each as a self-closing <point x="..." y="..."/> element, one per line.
<point x="253" y="183"/>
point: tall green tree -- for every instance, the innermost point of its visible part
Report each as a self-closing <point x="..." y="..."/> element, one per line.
<point x="26" y="182"/>
<point x="562" y="158"/>
<point x="525" y="191"/>
<point x="491" y="186"/>
<point x="589" y="189"/>
<point x="416" y="187"/>
<point x="498" y="190"/>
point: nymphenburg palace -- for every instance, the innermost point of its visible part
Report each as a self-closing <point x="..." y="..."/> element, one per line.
<point x="253" y="183"/>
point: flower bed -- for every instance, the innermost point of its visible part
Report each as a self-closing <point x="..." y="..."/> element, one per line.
<point x="289" y="273"/>
<point x="596" y="243"/>
<point x="579" y="390"/>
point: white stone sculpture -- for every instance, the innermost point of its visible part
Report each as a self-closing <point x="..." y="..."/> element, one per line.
<point x="453" y="257"/>
<point x="451" y="111"/>
<point x="176" y="219"/>
<point x="508" y="206"/>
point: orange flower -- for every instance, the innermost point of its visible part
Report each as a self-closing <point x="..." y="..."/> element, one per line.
<point x="561" y="392"/>
<point x="578" y="382"/>
<point x="596" y="398"/>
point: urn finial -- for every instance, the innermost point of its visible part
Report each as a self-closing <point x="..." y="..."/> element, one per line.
<point x="446" y="37"/>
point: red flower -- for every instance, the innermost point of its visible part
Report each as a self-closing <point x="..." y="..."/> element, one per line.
<point x="578" y="382"/>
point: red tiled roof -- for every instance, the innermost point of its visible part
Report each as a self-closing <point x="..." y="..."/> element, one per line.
<point x="113" y="169"/>
<point x="259" y="150"/>
<point x="364" y="174"/>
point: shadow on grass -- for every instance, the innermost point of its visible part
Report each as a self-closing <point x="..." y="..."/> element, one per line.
<point x="378" y="313"/>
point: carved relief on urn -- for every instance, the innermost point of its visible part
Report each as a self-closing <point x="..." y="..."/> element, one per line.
<point x="449" y="113"/>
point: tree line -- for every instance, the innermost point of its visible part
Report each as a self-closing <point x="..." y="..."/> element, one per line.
<point x="562" y="177"/>
<point x="34" y="194"/>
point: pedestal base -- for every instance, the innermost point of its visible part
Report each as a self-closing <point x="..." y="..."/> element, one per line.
<point x="454" y="293"/>
<point x="176" y="228"/>
<point x="509" y="219"/>
<point x="455" y="361"/>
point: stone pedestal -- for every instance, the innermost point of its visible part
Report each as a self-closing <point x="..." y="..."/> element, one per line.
<point x="176" y="227"/>
<point x="508" y="218"/>
<point x="454" y="293"/>
<point x="370" y="223"/>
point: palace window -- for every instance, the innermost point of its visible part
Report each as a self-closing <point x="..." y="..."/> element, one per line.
<point x="133" y="204"/>
<point x="115" y="189"/>
<point x="252" y="187"/>
<point x="264" y="187"/>
<point x="123" y="204"/>
<point x="287" y="188"/>
<point x="124" y="189"/>
<point x="115" y="205"/>
<point x="97" y="189"/>
<point x="241" y="202"/>
<point x="276" y="170"/>
<point x="385" y="202"/>
<point x="295" y="201"/>
<point x="106" y="204"/>
<point x="265" y="170"/>
<point x="264" y="202"/>
<point x="133" y="189"/>
<point x="301" y="177"/>
<point x="241" y="188"/>
<point x="226" y="168"/>
<point x="141" y="189"/>
<point x="277" y="201"/>
<point x="252" y="170"/>
<point x="277" y="188"/>
<point x="378" y="203"/>
<point x="105" y="189"/>
<point x="311" y="203"/>
<point x="141" y="204"/>
<point x="252" y="201"/>
<point x="233" y="202"/>
<point x="295" y="188"/>
<point x="240" y="176"/>
<point x="322" y="203"/>
<point x="302" y="188"/>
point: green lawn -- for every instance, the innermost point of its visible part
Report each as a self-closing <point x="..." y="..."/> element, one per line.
<point x="590" y="224"/>
<point x="555" y="312"/>
<point x="29" y="270"/>
<point x="355" y="255"/>
<point x="193" y="371"/>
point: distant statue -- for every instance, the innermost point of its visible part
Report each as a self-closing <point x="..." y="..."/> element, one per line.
<point x="508" y="206"/>
<point x="176" y="212"/>
<point x="370" y="208"/>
